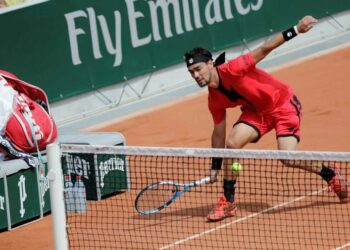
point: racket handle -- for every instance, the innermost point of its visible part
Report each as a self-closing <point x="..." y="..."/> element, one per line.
<point x="202" y="181"/>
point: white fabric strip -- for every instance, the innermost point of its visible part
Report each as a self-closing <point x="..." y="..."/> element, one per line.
<point x="7" y="102"/>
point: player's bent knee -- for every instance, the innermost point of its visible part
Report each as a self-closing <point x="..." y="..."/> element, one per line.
<point x="233" y="144"/>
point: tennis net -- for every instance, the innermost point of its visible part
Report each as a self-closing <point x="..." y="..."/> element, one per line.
<point x="279" y="207"/>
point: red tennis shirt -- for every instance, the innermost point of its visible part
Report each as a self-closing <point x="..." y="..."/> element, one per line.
<point x="242" y="84"/>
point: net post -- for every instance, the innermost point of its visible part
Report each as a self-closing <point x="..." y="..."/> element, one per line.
<point x="55" y="178"/>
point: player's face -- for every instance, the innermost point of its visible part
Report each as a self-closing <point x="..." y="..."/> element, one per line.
<point x="201" y="73"/>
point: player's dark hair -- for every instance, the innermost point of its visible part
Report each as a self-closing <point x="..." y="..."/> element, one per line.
<point x="197" y="54"/>
<point x="196" y="51"/>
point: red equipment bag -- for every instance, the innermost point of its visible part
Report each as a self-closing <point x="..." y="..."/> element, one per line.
<point x="31" y="126"/>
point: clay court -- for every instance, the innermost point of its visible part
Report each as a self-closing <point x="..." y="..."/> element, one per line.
<point x="320" y="82"/>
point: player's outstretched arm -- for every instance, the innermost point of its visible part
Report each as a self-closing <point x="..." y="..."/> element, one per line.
<point x="304" y="25"/>
<point x="217" y="141"/>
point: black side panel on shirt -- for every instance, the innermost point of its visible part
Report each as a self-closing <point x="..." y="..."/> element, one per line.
<point x="233" y="95"/>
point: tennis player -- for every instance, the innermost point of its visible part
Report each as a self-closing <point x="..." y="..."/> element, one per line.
<point x="266" y="103"/>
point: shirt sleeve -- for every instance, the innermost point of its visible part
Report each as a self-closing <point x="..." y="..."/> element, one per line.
<point x="240" y="65"/>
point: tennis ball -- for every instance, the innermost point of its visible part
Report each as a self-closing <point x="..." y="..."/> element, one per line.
<point x="236" y="167"/>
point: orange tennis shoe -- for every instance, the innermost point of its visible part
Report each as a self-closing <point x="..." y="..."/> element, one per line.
<point x="222" y="210"/>
<point x="339" y="185"/>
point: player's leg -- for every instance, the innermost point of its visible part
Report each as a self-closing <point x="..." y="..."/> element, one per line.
<point x="288" y="133"/>
<point x="287" y="124"/>
<point x="249" y="128"/>
<point x="240" y="135"/>
<point x="290" y="143"/>
<point x="243" y="132"/>
<point x="329" y="172"/>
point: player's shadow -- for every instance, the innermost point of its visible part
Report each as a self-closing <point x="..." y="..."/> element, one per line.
<point x="261" y="207"/>
<point x="250" y="207"/>
<point x="199" y="211"/>
<point x="164" y="217"/>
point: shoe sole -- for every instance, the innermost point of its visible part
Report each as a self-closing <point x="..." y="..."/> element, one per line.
<point x="222" y="218"/>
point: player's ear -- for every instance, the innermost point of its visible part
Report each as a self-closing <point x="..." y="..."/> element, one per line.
<point x="210" y="64"/>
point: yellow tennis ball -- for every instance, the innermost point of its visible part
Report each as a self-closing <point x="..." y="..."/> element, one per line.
<point x="236" y="167"/>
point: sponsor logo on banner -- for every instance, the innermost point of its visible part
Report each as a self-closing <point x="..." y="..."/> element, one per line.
<point x="77" y="165"/>
<point x="44" y="186"/>
<point x="110" y="165"/>
<point x="167" y="18"/>
<point x="22" y="194"/>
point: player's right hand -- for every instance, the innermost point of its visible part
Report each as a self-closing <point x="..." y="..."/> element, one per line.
<point x="306" y="23"/>
<point x="214" y="175"/>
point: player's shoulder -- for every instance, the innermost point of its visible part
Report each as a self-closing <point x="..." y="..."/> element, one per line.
<point x="242" y="57"/>
<point x="238" y="66"/>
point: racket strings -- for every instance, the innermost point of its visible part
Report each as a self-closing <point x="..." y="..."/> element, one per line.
<point x="156" y="197"/>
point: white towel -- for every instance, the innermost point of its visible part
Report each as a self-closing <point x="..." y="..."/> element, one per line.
<point x="7" y="103"/>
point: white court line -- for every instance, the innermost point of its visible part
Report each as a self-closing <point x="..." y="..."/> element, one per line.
<point x="240" y="220"/>
<point x="342" y="247"/>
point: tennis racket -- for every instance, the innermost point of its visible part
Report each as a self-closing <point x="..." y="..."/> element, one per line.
<point x="160" y="195"/>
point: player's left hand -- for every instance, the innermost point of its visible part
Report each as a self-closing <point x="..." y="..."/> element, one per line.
<point x="306" y="23"/>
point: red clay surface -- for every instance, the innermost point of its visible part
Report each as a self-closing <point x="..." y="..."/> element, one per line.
<point x="321" y="83"/>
